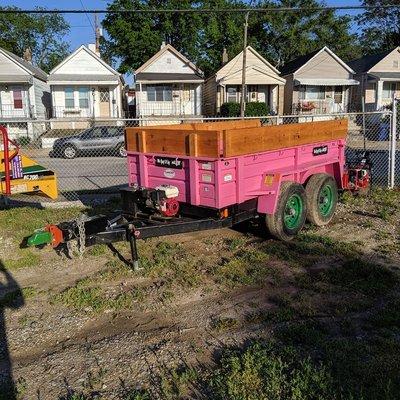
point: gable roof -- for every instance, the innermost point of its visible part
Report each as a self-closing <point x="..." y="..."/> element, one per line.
<point x="257" y="54"/>
<point x="364" y="64"/>
<point x="295" y="65"/>
<point x="91" y="53"/>
<point x="172" y="49"/>
<point x="25" y="65"/>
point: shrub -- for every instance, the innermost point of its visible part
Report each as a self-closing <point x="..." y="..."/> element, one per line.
<point x="230" y="110"/>
<point x="23" y="141"/>
<point x="256" y="109"/>
<point x="253" y="109"/>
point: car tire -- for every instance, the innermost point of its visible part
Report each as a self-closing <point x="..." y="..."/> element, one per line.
<point x="121" y="151"/>
<point x="69" y="152"/>
<point x="322" y="198"/>
<point x="290" y="213"/>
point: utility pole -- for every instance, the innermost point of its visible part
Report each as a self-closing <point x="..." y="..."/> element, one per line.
<point x="97" y="34"/>
<point x="243" y="92"/>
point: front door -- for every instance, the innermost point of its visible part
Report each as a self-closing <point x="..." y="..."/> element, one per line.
<point x="187" y="99"/>
<point x="338" y="97"/>
<point x="104" y="102"/>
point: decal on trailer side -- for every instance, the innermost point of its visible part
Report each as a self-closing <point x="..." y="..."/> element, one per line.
<point x="320" y="150"/>
<point x="168" y="162"/>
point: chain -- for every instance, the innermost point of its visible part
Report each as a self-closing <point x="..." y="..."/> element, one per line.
<point x="80" y="222"/>
<point x="72" y="248"/>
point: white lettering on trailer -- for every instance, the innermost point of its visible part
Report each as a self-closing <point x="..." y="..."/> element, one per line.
<point x="228" y="177"/>
<point x="169" y="173"/>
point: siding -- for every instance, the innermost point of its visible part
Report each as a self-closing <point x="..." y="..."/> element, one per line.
<point x="235" y="64"/>
<point x="386" y="65"/>
<point x="288" y="94"/>
<point x="323" y="66"/>
<point x="169" y="62"/>
<point x="8" y="67"/>
<point x="83" y="63"/>
<point x="42" y="99"/>
<point x="210" y="97"/>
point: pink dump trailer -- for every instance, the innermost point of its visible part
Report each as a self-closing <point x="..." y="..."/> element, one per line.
<point x="201" y="176"/>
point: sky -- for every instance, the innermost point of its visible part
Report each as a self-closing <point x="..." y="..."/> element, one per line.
<point x="81" y="29"/>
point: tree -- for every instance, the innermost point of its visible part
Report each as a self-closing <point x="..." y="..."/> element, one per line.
<point x="284" y="36"/>
<point x="41" y="33"/>
<point x="134" y="38"/>
<point x="380" y="26"/>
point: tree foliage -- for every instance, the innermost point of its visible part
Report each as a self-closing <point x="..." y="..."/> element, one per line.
<point x="380" y="26"/>
<point x="41" y="33"/>
<point x="133" y="39"/>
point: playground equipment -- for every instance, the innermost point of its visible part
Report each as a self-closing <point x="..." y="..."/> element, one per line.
<point x="200" y="176"/>
<point x="21" y="174"/>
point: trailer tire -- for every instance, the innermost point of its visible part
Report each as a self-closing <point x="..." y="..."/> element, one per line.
<point x="290" y="213"/>
<point x="322" y="197"/>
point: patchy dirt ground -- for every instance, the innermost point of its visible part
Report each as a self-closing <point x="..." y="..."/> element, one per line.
<point x="92" y="328"/>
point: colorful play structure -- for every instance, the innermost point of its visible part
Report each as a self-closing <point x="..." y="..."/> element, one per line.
<point x="21" y="174"/>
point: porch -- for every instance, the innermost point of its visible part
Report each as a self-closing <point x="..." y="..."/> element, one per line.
<point x="310" y="98"/>
<point x="168" y="99"/>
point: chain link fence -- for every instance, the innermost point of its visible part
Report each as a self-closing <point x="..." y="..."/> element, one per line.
<point x="89" y="158"/>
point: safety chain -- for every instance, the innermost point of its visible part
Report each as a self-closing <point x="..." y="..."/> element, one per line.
<point x="80" y="222"/>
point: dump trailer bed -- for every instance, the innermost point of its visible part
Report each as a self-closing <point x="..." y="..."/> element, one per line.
<point x="200" y="176"/>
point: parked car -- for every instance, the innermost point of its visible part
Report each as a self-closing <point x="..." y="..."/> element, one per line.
<point x="99" y="140"/>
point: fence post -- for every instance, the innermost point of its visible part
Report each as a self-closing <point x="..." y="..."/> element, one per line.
<point x="392" y="154"/>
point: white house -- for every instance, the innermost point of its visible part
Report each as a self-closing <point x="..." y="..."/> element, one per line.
<point x="263" y="84"/>
<point x="168" y="84"/>
<point x="24" y="95"/>
<point x="84" y="86"/>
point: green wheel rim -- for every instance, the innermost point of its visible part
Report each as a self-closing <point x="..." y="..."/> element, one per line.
<point x="293" y="212"/>
<point x="325" y="200"/>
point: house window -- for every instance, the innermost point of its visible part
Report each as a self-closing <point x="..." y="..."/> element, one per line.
<point x="231" y="94"/>
<point x="17" y="97"/>
<point x="69" y="97"/>
<point x="159" y="93"/>
<point x="388" y="90"/>
<point x="312" y="93"/>
<point x="83" y="97"/>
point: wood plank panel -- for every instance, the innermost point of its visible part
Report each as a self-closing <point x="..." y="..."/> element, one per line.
<point x="253" y="140"/>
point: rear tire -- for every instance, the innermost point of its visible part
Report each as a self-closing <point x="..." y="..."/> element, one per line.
<point x="290" y="213"/>
<point x="322" y="197"/>
<point x="69" y="152"/>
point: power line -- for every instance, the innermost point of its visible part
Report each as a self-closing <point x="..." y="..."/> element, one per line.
<point x="87" y="16"/>
<point x="200" y="10"/>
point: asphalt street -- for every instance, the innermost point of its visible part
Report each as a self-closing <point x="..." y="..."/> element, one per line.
<point x="85" y="173"/>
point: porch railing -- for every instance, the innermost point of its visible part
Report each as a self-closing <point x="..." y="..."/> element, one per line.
<point x="9" y="111"/>
<point x="307" y="107"/>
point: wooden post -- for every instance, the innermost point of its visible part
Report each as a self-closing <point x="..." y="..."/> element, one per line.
<point x="142" y="141"/>
<point x="243" y="94"/>
<point x="193" y="148"/>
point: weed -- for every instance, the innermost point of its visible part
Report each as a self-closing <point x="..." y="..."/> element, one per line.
<point x="266" y="371"/>
<point x="223" y="324"/>
<point x="235" y="243"/>
<point x="176" y="384"/>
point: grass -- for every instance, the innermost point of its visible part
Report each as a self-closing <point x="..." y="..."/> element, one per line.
<point x="26" y="259"/>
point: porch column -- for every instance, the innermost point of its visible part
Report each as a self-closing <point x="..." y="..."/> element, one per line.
<point x="379" y="88"/>
<point x="118" y="102"/>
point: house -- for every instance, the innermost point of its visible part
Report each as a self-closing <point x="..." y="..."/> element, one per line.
<point x="318" y="83"/>
<point x="262" y="81"/>
<point x="83" y="87"/>
<point x="379" y="77"/>
<point x="168" y="85"/>
<point x="24" y="95"/>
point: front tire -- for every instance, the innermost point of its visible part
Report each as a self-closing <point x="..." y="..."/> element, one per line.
<point x="121" y="151"/>
<point x="322" y="197"/>
<point x="290" y="213"/>
<point x="69" y="152"/>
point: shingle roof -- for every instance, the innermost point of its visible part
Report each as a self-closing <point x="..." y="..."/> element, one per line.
<point x="295" y="64"/>
<point x="35" y="71"/>
<point x="365" y="63"/>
